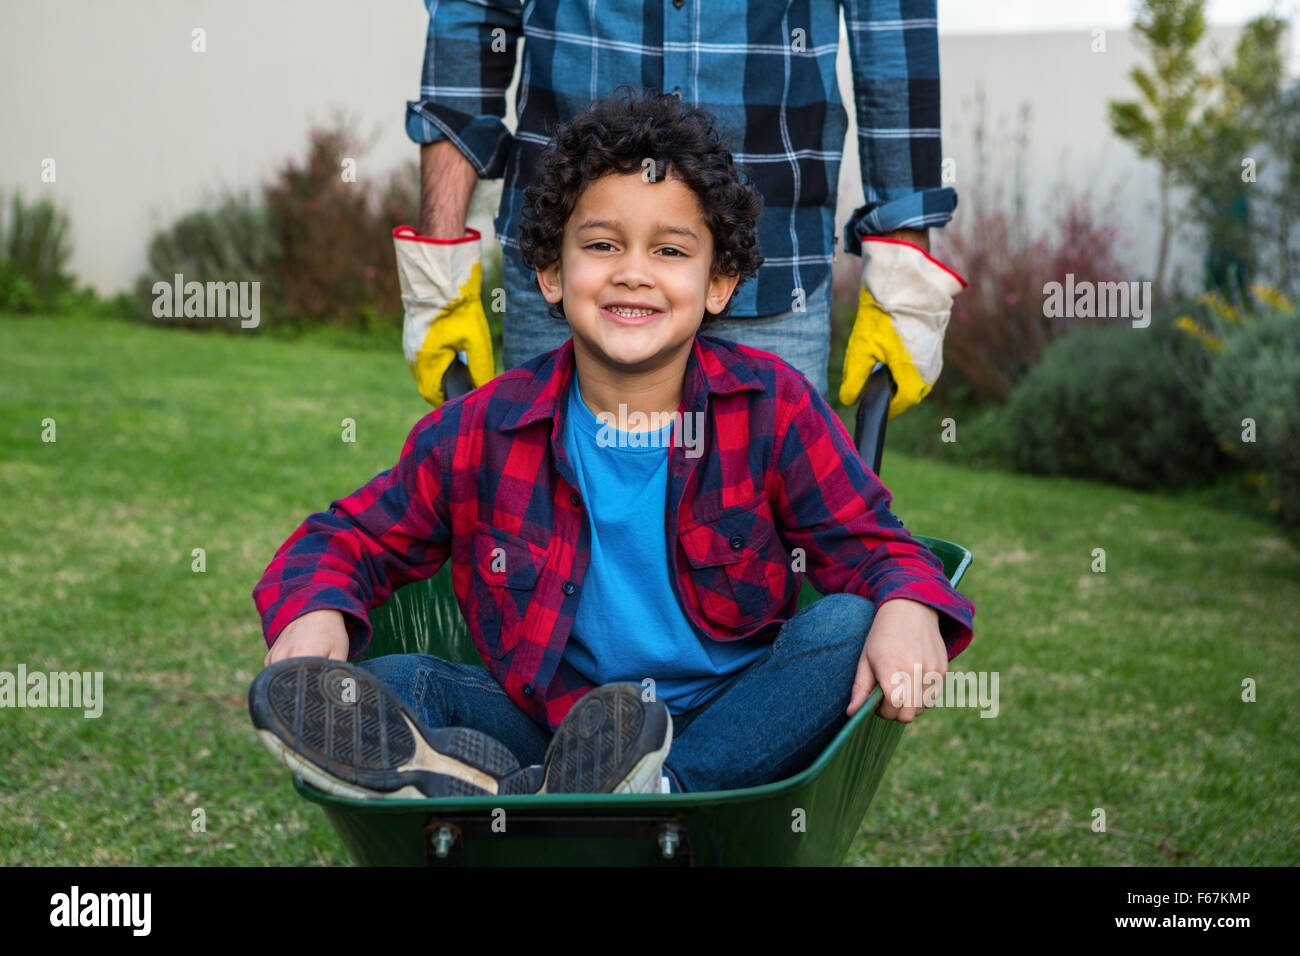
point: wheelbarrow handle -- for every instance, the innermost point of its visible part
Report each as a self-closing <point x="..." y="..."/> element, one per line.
<point x="456" y="381"/>
<point x="873" y="415"/>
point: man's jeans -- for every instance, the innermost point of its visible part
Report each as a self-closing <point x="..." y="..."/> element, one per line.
<point x="771" y="721"/>
<point x="802" y="338"/>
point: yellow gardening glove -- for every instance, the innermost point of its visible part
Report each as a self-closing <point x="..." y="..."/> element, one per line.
<point x="441" y="289"/>
<point x="903" y="308"/>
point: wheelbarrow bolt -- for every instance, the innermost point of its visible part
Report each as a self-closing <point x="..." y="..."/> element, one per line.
<point x="668" y="842"/>
<point x="443" y="841"/>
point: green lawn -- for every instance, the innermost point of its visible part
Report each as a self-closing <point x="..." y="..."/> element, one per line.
<point x="1119" y="691"/>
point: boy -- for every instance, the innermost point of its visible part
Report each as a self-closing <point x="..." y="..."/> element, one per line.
<point x="630" y="585"/>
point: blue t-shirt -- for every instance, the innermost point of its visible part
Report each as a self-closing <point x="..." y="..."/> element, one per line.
<point x="629" y="624"/>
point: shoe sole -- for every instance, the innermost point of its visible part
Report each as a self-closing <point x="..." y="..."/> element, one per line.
<point x="358" y="740"/>
<point x="527" y="780"/>
<point x="610" y="742"/>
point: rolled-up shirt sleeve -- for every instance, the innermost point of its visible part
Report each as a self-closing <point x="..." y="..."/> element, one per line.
<point x="831" y="505"/>
<point x="894" y="52"/>
<point x="469" y="64"/>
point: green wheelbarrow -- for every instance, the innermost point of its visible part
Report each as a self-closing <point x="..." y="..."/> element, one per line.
<point x="809" y="818"/>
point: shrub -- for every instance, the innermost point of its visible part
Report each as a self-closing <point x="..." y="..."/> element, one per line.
<point x="17" y="293"/>
<point x="235" y="242"/>
<point x="35" y="246"/>
<point x="999" y="329"/>
<point x="336" y="242"/>
<point x="320" y="245"/>
<point x="1254" y="387"/>
<point x="954" y="429"/>
<point x="1113" y="403"/>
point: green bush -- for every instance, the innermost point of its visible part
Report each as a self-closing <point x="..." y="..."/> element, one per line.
<point x="17" y="292"/>
<point x="319" y="241"/>
<point x="336" y="235"/>
<point x="235" y="242"/>
<point x="955" y="428"/>
<point x="1257" y="377"/>
<point x="1114" y="403"/>
<point x="35" y="246"/>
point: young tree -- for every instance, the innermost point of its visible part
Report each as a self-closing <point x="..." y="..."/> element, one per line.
<point x="1159" y="124"/>
<point x="1221" y="165"/>
<point x="1281" y="208"/>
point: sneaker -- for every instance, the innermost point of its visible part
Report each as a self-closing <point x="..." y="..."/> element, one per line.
<point x="347" y="734"/>
<point x="612" y="741"/>
<point x="524" y="780"/>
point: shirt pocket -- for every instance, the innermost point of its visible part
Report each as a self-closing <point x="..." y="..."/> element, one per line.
<point x="506" y="569"/>
<point x="739" y="565"/>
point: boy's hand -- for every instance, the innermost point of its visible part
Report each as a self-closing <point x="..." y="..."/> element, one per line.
<point x="904" y="635"/>
<point x="315" y="634"/>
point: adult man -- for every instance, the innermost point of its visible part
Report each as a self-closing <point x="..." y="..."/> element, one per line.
<point x="767" y="71"/>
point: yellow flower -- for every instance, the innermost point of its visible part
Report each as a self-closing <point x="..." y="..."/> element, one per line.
<point x="1270" y="296"/>
<point x="1212" y="343"/>
<point x="1218" y="306"/>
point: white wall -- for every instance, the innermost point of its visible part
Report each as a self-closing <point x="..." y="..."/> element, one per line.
<point x="1067" y="87"/>
<point x="143" y="130"/>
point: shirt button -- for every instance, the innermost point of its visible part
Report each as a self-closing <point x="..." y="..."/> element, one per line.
<point x="737" y="542"/>
<point x="568" y="587"/>
<point x="528" y="690"/>
<point x="574" y="500"/>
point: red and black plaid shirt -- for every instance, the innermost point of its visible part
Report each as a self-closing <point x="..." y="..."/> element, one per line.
<point x="775" y="486"/>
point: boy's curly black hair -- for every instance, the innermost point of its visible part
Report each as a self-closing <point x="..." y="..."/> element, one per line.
<point x="617" y="135"/>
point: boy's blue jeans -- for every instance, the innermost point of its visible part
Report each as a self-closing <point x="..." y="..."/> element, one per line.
<point x="802" y="338"/>
<point x="771" y="721"/>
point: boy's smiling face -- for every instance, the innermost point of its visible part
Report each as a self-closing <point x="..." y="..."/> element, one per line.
<point x="632" y="246"/>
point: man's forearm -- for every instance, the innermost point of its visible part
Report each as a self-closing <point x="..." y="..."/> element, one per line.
<point x="447" y="181"/>
<point x="917" y="237"/>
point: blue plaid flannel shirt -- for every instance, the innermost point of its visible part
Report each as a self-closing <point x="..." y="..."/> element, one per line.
<point x="765" y="70"/>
